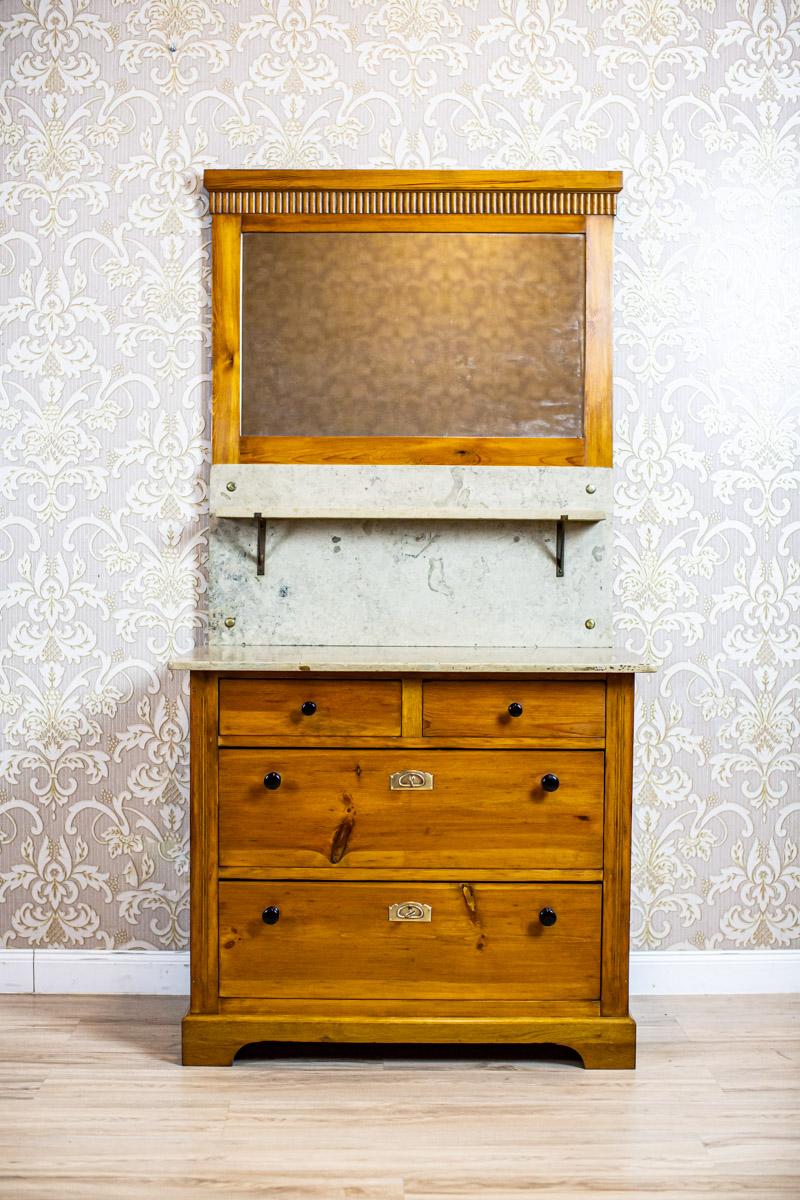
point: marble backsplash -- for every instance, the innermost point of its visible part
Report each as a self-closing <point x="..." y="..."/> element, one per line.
<point x="373" y="581"/>
<point x="410" y="583"/>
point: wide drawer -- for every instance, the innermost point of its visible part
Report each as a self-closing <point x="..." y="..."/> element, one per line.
<point x="297" y="708"/>
<point x="569" y="712"/>
<point x="361" y="808"/>
<point x="482" y="941"/>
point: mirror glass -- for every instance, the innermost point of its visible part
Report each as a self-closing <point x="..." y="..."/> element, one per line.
<point x="413" y="334"/>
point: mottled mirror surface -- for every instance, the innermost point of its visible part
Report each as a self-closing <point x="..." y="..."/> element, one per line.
<point x="413" y="334"/>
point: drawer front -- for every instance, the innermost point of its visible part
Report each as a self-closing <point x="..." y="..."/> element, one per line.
<point x="487" y="808"/>
<point x="567" y="712"/>
<point x="482" y="941"/>
<point x="272" y="708"/>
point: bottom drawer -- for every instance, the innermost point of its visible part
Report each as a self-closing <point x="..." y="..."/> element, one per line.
<point x="482" y="941"/>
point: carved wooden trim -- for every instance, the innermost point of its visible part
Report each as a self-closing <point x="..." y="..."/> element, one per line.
<point x="337" y="202"/>
<point x="404" y="193"/>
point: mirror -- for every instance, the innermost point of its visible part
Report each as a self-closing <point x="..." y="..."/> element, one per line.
<point x="413" y="334"/>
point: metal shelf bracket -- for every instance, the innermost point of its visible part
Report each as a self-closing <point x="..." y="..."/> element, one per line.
<point x="561" y="526"/>
<point x="261" y="542"/>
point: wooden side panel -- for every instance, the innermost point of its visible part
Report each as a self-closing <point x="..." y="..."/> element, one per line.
<point x="574" y="711"/>
<point x="598" y="382"/>
<point x="617" y="845"/>
<point x="225" y="305"/>
<point x="412" y="708"/>
<point x="418" y="223"/>
<point x="397" y="451"/>
<point x="203" y="842"/>
<point x="484" y="941"/>
<point x="335" y="808"/>
<point x="272" y="708"/>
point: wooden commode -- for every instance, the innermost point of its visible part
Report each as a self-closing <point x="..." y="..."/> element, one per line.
<point x="396" y="837"/>
<point x="416" y="856"/>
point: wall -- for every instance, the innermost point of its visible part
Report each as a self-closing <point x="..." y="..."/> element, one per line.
<point x="108" y="114"/>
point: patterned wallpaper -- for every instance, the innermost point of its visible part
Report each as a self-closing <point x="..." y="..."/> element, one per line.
<point x="109" y="111"/>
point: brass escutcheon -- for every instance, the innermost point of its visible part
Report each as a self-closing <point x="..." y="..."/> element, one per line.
<point x="410" y="910"/>
<point x="406" y="781"/>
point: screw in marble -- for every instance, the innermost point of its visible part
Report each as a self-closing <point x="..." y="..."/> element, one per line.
<point x="230" y="622"/>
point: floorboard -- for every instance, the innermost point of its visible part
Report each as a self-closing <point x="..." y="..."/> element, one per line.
<point x="93" y="1104"/>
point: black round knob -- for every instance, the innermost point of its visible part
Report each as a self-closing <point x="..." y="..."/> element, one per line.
<point x="546" y="916"/>
<point x="515" y="709"/>
<point x="551" y="783"/>
<point x="308" y="708"/>
<point x="271" y="914"/>
<point x="272" y="781"/>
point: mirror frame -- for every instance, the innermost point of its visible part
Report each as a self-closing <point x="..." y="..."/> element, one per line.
<point x="582" y="202"/>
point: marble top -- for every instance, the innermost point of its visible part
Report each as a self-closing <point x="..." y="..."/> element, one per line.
<point x="426" y="659"/>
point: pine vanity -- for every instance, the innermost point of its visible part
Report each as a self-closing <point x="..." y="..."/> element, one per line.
<point x="410" y="737"/>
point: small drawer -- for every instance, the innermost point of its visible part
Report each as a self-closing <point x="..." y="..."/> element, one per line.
<point x="297" y="708"/>
<point x="570" y="713"/>
<point x="460" y="809"/>
<point x="448" y="941"/>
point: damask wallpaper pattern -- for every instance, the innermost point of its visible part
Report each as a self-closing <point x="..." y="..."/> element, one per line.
<point x="109" y="111"/>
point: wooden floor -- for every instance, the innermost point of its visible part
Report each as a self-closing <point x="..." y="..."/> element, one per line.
<point x="93" y="1104"/>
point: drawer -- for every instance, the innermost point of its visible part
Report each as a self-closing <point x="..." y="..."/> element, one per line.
<point x="483" y="941"/>
<point x="487" y="808"/>
<point x="272" y="708"/>
<point x="567" y="712"/>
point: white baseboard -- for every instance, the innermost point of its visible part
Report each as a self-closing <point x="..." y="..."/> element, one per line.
<point x="714" y="972"/>
<point x="16" y="971"/>
<point x="166" y="972"/>
<point x="115" y="972"/>
<point x="95" y="972"/>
